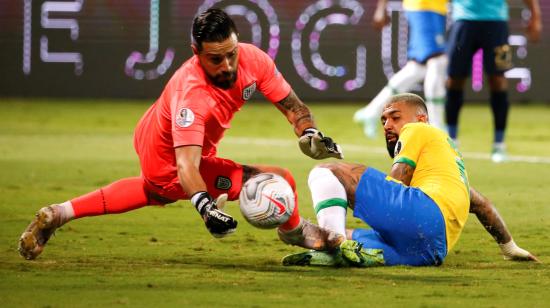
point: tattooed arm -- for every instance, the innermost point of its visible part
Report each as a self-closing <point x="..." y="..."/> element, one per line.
<point x="489" y="217"/>
<point x="402" y="172"/>
<point x="297" y="113"/>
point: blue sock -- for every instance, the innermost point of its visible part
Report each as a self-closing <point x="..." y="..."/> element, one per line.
<point x="453" y="130"/>
<point x="500" y="106"/>
<point x="499" y="136"/>
<point x="455" y="99"/>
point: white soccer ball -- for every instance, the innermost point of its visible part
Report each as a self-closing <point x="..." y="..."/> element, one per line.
<point x="266" y="200"/>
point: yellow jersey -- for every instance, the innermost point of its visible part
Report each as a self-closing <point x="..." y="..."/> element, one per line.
<point x="438" y="6"/>
<point x="439" y="172"/>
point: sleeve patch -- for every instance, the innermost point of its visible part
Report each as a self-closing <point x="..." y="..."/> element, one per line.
<point x="185" y="117"/>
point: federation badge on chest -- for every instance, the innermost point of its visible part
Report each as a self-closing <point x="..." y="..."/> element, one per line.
<point x="249" y="90"/>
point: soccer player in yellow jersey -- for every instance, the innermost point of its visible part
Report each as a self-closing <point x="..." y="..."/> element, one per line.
<point x="426" y="63"/>
<point x="416" y="213"/>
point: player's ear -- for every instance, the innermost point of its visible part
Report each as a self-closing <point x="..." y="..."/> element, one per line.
<point x="422" y="118"/>
<point x="195" y="49"/>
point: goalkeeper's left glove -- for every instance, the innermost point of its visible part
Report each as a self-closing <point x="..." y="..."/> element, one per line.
<point x="217" y="222"/>
<point x="315" y="145"/>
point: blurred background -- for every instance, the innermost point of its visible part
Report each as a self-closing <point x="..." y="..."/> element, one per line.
<point x="326" y="49"/>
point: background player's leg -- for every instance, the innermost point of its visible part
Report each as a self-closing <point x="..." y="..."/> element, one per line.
<point x="461" y="46"/>
<point x="453" y="104"/>
<point x="369" y="116"/>
<point x="434" y="89"/>
<point x="497" y="56"/>
<point x="500" y="106"/>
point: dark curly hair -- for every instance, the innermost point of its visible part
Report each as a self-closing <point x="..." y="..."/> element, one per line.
<point x="212" y="25"/>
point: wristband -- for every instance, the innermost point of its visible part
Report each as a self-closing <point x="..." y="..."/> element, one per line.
<point x="200" y="200"/>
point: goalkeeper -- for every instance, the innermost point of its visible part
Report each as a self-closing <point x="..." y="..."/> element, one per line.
<point x="416" y="213"/>
<point x="176" y="140"/>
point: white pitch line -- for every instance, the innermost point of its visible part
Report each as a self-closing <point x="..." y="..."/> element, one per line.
<point x="380" y="150"/>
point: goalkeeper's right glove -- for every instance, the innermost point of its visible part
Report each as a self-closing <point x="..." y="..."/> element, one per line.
<point x="317" y="146"/>
<point x="217" y="222"/>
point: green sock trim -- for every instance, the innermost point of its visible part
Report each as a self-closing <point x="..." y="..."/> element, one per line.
<point x="436" y="100"/>
<point x="331" y="202"/>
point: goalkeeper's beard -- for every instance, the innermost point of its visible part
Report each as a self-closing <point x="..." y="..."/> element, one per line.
<point x="224" y="80"/>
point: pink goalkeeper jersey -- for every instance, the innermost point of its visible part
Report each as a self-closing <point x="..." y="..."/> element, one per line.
<point x="192" y="111"/>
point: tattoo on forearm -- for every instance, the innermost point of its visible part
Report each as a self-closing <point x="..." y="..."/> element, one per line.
<point x="489" y="217"/>
<point x="296" y="111"/>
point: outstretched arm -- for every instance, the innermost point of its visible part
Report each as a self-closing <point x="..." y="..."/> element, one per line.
<point x="312" y="142"/>
<point x="534" y="25"/>
<point x="489" y="217"/>
<point x="297" y="113"/>
<point x="188" y="160"/>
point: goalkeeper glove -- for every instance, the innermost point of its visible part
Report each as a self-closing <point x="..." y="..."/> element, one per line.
<point x="217" y="222"/>
<point x="315" y="145"/>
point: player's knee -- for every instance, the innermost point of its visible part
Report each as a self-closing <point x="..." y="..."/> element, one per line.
<point x="498" y="83"/>
<point x="455" y="83"/>
<point x="318" y="172"/>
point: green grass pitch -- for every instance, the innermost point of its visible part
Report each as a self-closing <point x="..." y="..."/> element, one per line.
<point x="51" y="151"/>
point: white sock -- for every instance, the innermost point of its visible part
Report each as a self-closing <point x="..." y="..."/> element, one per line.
<point x="436" y="113"/>
<point x="434" y="90"/>
<point x="329" y="200"/>
<point x="500" y="146"/>
<point x="67" y="211"/>
<point x="402" y="81"/>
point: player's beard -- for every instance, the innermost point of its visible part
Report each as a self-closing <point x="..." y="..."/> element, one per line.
<point x="390" y="144"/>
<point x="224" y="80"/>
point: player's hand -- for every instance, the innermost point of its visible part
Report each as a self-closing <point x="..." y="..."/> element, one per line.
<point x="520" y="255"/>
<point x="219" y="224"/>
<point x="534" y="29"/>
<point x="380" y="19"/>
<point x="513" y="252"/>
<point x="315" y="145"/>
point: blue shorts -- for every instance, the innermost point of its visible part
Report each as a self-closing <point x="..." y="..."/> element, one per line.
<point x="426" y="35"/>
<point x="468" y="36"/>
<point x="406" y="224"/>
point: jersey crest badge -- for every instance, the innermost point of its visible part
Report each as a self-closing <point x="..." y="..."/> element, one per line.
<point x="398" y="148"/>
<point x="248" y="91"/>
<point x="223" y="183"/>
<point x="185" y="117"/>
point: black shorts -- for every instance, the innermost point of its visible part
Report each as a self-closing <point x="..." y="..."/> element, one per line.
<point x="468" y="36"/>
